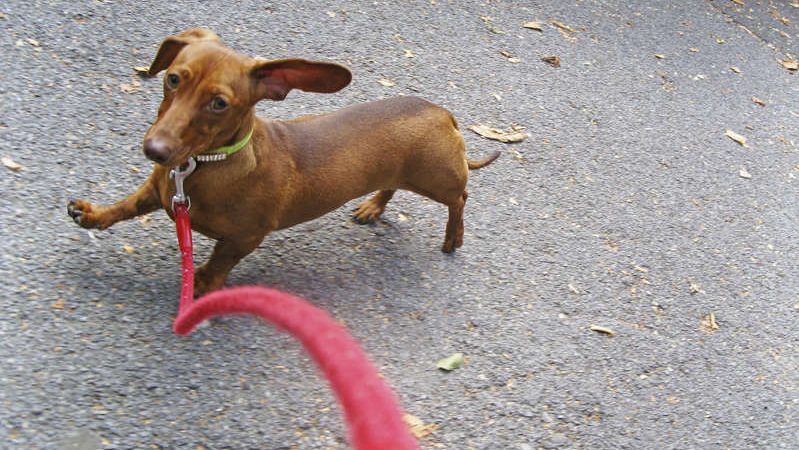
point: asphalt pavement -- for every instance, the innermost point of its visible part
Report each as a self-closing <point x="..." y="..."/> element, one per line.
<point x="629" y="208"/>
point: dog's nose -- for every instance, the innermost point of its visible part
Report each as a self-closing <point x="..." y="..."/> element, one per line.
<point x="156" y="150"/>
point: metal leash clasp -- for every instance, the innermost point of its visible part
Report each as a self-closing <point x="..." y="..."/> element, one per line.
<point x="179" y="175"/>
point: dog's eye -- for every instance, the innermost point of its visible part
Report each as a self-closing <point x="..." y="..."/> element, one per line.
<point x="218" y="104"/>
<point x="172" y="80"/>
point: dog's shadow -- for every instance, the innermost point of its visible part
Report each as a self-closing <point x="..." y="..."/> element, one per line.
<point x="328" y="260"/>
<point x="334" y="255"/>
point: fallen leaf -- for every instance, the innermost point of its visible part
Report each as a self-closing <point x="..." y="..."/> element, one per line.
<point x="601" y="329"/>
<point x="563" y="26"/>
<point x="488" y="20"/>
<point x="409" y="53"/>
<point x="2" y="15"/>
<point x="758" y="102"/>
<point x="709" y="323"/>
<point x="660" y="56"/>
<point x="534" y="25"/>
<point x="58" y="304"/>
<point x="451" y="362"/>
<point x="417" y="427"/>
<point x="131" y="87"/>
<point x="573" y="289"/>
<point x="510" y="57"/>
<point x="386" y="82"/>
<point x="720" y="41"/>
<point x="743" y="173"/>
<point x="552" y="60"/>
<point x="736" y="137"/>
<point x="145" y="219"/>
<point x="693" y="50"/>
<point x="11" y="164"/>
<point x="32" y="42"/>
<point x="497" y="134"/>
<point x="128" y="249"/>
<point x="735" y="69"/>
<point x="402" y="217"/>
<point x="790" y="64"/>
<point x="694" y="288"/>
<point x="738" y="2"/>
<point x="142" y="70"/>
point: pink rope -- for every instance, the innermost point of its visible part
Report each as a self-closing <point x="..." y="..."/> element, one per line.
<point x="373" y="415"/>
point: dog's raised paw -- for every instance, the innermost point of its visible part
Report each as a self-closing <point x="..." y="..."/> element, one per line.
<point x="80" y="211"/>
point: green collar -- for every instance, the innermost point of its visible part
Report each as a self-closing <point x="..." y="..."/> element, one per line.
<point x="222" y="153"/>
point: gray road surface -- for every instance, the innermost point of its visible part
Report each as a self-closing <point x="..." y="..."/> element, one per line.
<point x="627" y="207"/>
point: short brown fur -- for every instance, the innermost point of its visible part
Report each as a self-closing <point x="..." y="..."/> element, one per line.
<point x="291" y="171"/>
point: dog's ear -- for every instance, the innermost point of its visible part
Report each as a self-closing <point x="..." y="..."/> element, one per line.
<point x="274" y="79"/>
<point x="173" y="44"/>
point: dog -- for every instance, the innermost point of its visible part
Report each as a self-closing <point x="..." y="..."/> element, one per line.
<point x="255" y="176"/>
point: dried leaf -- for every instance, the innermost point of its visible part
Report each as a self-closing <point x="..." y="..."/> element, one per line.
<point x="552" y="60"/>
<point x="563" y="26"/>
<point x="409" y="53"/>
<point x="451" y="362"/>
<point x="720" y="41"/>
<point x="534" y="25"/>
<point x="736" y="137"/>
<point x="758" y="102"/>
<point x="11" y="164"/>
<point x="601" y="329"/>
<point x="660" y="56"/>
<point x="128" y="249"/>
<point x="488" y="20"/>
<point x="693" y="50"/>
<point x="131" y="87"/>
<point x="32" y="42"/>
<point x="2" y="15"/>
<point x="386" y="82"/>
<point x="790" y="64"/>
<point x="738" y="2"/>
<point x="694" y="288"/>
<point x="58" y="304"/>
<point x="709" y="323"/>
<point x="497" y="134"/>
<point x="510" y="57"/>
<point x="417" y="427"/>
<point x="743" y="173"/>
<point x="573" y="289"/>
<point x="735" y="69"/>
<point x="142" y="70"/>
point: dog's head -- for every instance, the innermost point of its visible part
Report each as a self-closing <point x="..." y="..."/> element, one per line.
<point x="210" y="92"/>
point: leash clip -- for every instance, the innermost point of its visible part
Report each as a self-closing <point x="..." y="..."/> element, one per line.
<point x="179" y="175"/>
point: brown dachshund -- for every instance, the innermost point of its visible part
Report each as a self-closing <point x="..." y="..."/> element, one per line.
<point x="255" y="176"/>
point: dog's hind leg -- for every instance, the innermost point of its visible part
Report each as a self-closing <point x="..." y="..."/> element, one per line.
<point x="454" y="235"/>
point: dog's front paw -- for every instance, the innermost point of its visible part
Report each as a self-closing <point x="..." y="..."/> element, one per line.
<point x="367" y="212"/>
<point x="85" y="214"/>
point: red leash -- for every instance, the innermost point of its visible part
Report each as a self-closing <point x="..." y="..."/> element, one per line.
<point x="373" y="415"/>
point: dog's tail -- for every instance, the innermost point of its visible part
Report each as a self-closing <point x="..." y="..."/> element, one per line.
<point x="476" y="164"/>
<point x="372" y="412"/>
